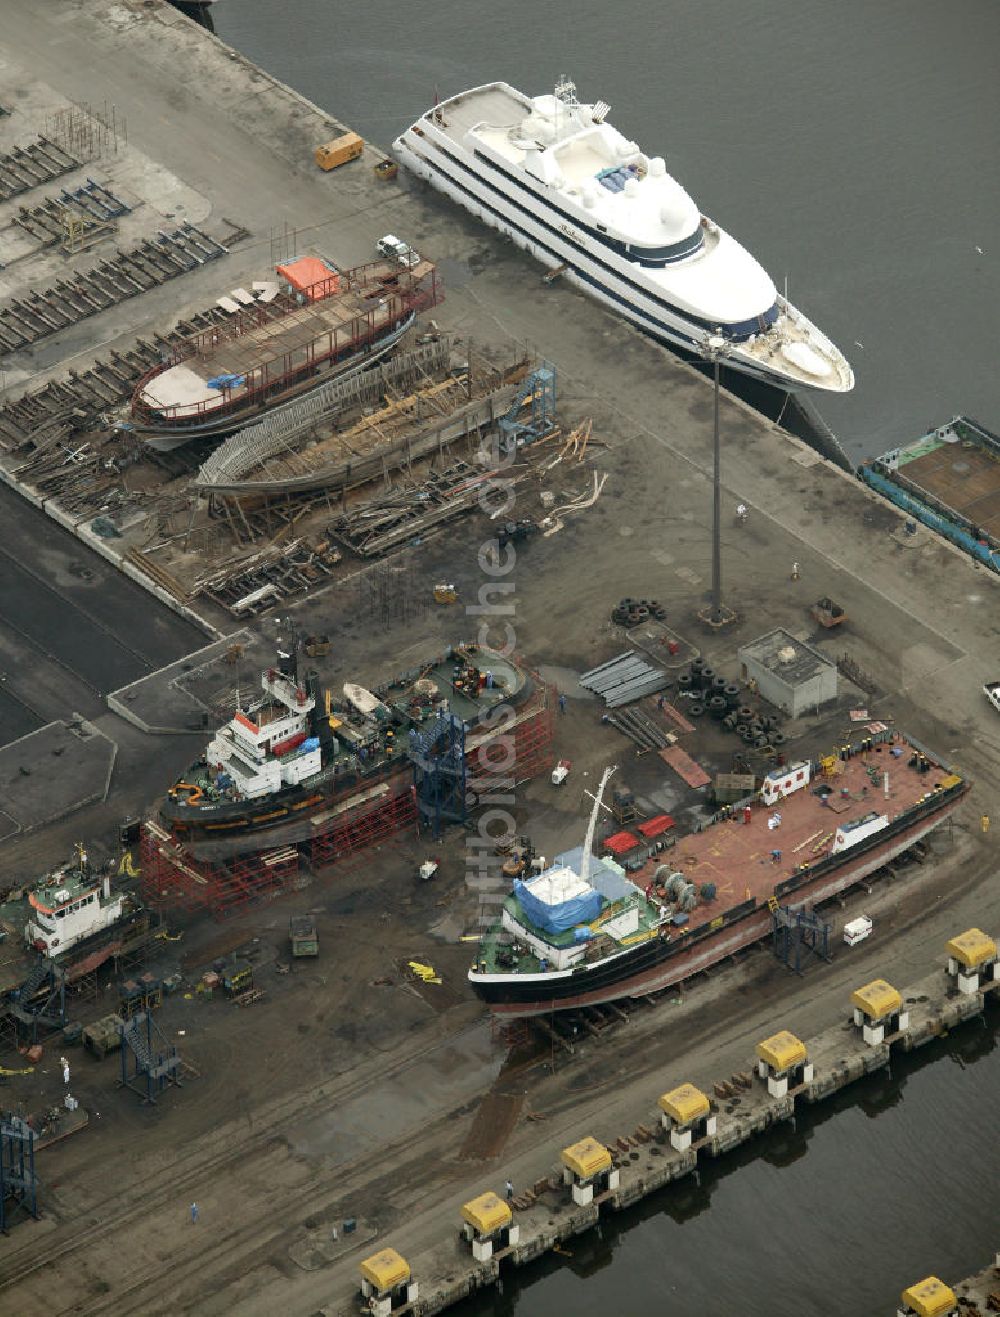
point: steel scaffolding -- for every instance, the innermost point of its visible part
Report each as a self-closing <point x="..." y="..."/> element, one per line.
<point x="40" y="1002"/>
<point x="794" y="931"/>
<point x="438" y="754"/>
<point x="366" y="824"/>
<point x="173" y="878"/>
<point x="539" y="392"/>
<point x="18" y="1186"/>
<point x="146" y="1069"/>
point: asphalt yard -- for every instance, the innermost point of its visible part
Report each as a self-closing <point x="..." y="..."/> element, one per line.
<point x="71" y="627"/>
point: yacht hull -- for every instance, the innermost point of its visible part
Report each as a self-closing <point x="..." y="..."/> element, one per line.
<point x="468" y="176"/>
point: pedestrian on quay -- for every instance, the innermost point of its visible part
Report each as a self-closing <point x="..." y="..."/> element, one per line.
<point x="65" y="1069"/>
<point x="562" y="702"/>
<point x="510" y="1191"/>
<point x="984" y="823"/>
<point x="194" y="1212"/>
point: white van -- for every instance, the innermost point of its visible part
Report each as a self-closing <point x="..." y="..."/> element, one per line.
<point x="856" y="930"/>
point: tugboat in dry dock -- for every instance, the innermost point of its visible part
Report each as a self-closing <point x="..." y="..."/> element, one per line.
<point x="293" y="754"/>
<point x="585" y="931"/>
<point x="71" y="919"/>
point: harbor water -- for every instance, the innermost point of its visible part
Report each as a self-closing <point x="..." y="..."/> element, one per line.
<point x="892" y="1178"/>
<point x="853" y="149"/>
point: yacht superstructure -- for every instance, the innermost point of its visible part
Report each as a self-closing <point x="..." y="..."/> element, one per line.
<point x="556" y="177"/>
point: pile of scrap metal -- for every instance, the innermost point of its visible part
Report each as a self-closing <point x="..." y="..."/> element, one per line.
<point x="413" y="512"/>
<point x="624" y="679"/>
<point x="273" y="574"/>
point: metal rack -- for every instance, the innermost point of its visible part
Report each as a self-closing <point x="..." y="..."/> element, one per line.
<point x="145" y="1069"/>
<point x="18" y="1186"/>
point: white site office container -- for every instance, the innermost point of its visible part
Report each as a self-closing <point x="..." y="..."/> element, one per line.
<point x="856" y="930"/>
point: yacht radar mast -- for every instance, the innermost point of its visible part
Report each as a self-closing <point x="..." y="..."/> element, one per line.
<point x="565" y="91"/>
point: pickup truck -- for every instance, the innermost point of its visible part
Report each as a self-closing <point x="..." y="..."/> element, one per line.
<point x="394" y="249"/>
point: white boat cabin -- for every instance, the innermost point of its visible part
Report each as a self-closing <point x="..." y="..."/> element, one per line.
<point x="267" y="746"/>
<point x="68" y="906"/>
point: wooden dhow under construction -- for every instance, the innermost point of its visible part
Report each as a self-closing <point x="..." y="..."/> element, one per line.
<point x="412" y="406"/>
<point x="412" y="428"/>
<point x="316" y="323"/>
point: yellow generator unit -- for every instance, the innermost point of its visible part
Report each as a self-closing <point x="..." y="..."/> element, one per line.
<point x="339" y="151"/>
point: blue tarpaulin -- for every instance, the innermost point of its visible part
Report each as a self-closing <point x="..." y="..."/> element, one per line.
<point x="558" y="918"/>
<point x="225" y="381"/>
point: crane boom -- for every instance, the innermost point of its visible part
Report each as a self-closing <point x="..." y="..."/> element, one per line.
<point x="588" y="841"/>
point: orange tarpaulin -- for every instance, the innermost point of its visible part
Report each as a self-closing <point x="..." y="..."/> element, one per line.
<point x="310" y="275"/>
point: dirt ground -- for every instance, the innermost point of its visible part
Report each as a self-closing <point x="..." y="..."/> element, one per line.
<point x="349" y="1091"/>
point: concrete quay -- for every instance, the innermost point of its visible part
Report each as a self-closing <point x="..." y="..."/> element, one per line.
<point x="980" y="1294"/>
<point x="646" y="1161"/>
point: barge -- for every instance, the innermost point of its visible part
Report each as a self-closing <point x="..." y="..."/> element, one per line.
<point x="587" y="931"/>
<point x="948" y="479"/>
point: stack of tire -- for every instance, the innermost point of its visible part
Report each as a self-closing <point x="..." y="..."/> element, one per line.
<point x="756" y="729"/>
<point x="712" y="693"/>
<point x="631" y="612"/>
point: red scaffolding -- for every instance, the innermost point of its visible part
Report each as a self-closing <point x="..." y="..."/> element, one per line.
<point x="172" y="878"/>
<point x="365" y="824"/>
<point x="517" y="752"/>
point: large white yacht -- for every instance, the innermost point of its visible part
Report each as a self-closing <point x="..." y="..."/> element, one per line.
<point x="565" y="185"/>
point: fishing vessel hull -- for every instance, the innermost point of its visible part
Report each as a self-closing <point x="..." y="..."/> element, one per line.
<point x="659" y="964"/>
